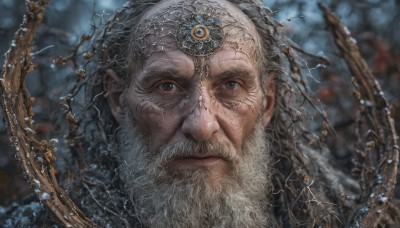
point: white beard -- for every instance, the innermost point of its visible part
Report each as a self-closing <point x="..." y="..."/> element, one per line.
<point x="164" y="200"/>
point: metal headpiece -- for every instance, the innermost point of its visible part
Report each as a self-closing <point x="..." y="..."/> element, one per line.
<point x="200" y="35"/>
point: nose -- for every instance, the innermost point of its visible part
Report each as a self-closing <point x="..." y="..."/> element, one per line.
<point x="201" y="124"/>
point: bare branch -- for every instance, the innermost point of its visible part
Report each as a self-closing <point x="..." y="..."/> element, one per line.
<point x="379" y="170"/>
<point x="36" y="157"/>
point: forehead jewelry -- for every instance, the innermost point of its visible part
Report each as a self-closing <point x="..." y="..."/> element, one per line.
<point x="199" y="35"/>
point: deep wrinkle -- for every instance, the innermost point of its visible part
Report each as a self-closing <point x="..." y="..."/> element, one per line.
<point x="202" y="65"/>
<point x="145" y="86"/>
<point x="210" y="87"/>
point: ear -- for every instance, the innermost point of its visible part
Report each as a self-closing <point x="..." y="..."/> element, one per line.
<point x="113" y="86"/>
<point x="269" y="99"/>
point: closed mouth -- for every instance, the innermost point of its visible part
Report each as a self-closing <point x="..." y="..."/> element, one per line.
<point x="201" y="156"/>
<point x="202" y="160"/>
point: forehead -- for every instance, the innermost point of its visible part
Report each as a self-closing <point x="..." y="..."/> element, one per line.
<point x="196" y="27"/>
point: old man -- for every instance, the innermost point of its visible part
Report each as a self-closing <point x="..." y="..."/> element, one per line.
<point x="191" y="122"/>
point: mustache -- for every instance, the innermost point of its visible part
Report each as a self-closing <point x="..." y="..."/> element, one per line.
<point x="189" y="148"/>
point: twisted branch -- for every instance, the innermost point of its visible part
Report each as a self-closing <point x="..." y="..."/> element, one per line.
<point x="36" y="157"/>
<point x="377" y="145"/>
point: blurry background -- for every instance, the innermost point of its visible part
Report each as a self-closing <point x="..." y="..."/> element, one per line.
<point x="375" y="24"/>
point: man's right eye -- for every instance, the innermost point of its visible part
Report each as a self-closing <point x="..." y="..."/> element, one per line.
<point x="167" y="87"/>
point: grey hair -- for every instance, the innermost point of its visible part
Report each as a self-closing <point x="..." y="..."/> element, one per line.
<point x="296" y="186"/>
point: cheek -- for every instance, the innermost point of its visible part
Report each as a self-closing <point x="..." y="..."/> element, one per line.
<point x="238" y="121"/>
<point x="153" y="122"/>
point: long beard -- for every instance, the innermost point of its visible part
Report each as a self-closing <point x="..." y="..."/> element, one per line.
<point x="163" y="199"/>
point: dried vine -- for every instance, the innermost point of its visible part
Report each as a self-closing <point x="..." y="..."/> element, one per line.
<point x="36" y="157"/>
<point x="377" y="140"/>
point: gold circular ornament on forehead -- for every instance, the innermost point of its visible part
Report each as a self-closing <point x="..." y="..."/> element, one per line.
<point x="200" y="32"/>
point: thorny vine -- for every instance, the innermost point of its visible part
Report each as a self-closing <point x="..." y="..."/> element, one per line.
<point x="377" y="138"/>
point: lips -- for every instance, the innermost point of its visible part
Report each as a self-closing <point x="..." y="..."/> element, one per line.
<point x="199" y="160"/>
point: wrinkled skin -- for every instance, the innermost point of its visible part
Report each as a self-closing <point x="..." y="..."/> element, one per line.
<point x="217" y="98"/>
<point x="193" y="151"/>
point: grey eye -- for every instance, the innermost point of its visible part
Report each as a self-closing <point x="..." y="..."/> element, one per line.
<point x="167" y="86"/>
<point x="231" y="85"/>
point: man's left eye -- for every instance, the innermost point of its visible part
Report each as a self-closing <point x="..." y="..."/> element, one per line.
<point x="231" y="85"/>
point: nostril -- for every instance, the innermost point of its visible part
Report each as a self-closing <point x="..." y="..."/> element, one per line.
<point x="200" y="124"/>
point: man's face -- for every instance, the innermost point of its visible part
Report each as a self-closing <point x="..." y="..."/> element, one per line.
<point x="216" y="98"/>
<point x="194" y="115"/>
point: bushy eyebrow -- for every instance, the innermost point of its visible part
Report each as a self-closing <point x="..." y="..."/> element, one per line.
<point x="243" y="74"/>
<point x="151" y="75"/>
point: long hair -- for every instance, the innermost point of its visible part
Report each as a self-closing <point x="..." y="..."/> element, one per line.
<point x="306" y="192"/>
